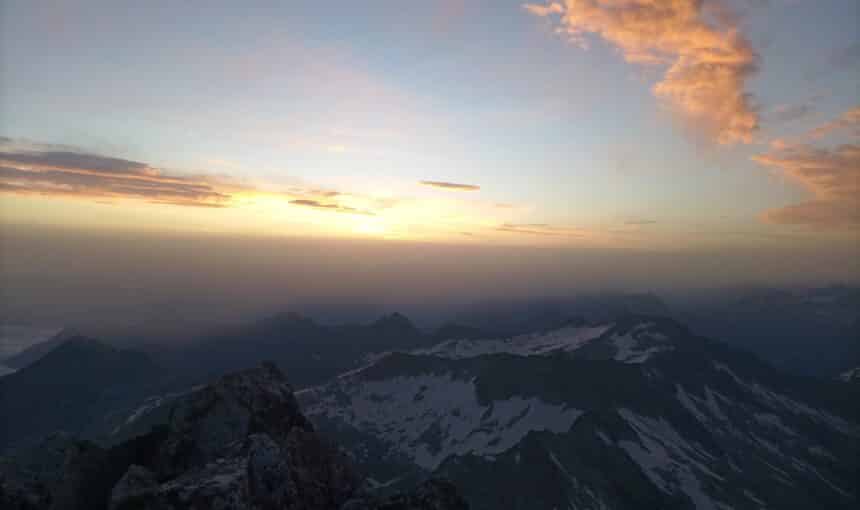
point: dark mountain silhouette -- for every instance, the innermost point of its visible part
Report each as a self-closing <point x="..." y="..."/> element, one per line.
<point x="504" y="318"/>
<point x="310" y="352"/>
<point x="69" y="388"/>
<point x="460" y="331"/>
<point x="33" y="353"/>
<point x="809" y="332"/>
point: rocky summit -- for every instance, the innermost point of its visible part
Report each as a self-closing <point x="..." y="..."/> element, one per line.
<point x="238" y="443"/>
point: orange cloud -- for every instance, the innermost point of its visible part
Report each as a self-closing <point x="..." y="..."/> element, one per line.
<point x="50" y="171"/>
<point x="42" y="169"/>
<point x="707" y="59"/>
<point x="453" y="186"/>
<point x="832" y="176"/>
<point x="849" y="120"/>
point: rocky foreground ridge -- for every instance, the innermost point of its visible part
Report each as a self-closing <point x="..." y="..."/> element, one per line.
<point x="238" y="443"/>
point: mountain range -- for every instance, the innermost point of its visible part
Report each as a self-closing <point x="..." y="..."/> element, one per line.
<point x="639" y="413"/>
<point x="621" y="410"/>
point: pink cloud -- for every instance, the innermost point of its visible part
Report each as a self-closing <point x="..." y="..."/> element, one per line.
<point x="832" y="176"/>
<point x="707" y="60"/>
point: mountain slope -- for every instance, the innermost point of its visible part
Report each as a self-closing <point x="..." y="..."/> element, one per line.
<point x="635" y="412"/>
<point x="69" y="388"/>
<point x="35" y="352"/>
<point x="811" y="331"/>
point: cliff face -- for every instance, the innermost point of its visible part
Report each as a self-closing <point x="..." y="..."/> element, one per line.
<point x="238" y="443"/>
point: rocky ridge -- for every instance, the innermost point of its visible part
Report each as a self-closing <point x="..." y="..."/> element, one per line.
<point x="238" y="443"/>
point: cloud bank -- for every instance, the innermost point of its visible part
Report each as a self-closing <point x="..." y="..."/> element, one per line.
<point x="707" y="60"/>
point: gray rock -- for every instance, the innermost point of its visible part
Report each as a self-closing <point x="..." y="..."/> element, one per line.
<point x="135" y="489"/>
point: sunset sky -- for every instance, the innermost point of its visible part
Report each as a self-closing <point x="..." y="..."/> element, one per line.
<point x="652" y="124"/>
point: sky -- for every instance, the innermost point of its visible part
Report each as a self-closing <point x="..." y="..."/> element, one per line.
<point x="636" y="126"/>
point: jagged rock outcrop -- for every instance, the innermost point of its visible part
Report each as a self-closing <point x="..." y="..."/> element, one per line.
<point x="238" y="443"/>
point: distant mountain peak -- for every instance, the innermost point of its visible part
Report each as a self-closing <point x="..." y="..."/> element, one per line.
<point x="575" y="322"/>
<point x="655" y="323"/>
<point x="395" y="321"/>
<point x="85" y="342"/>
<point x="36" y="351"/>
<point x="290" y="317"/>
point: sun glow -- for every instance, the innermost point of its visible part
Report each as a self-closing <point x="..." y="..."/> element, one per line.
<point x="371" y="227"/>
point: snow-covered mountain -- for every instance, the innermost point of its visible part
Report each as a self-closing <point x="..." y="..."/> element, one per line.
<point x="639" y="413"/>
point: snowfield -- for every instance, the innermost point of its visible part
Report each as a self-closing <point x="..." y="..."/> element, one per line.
<point x="635" y="346"/>
<point x="429" y="418"/>
<point x="565" y="339"/>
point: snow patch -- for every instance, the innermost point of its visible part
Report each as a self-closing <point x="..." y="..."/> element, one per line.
<point x="561" y="340"/>
<point x="773" y="421"/>
<point x="778" y="401"/>
<point x="667" y="459"/>
<point x="432" y="417"/>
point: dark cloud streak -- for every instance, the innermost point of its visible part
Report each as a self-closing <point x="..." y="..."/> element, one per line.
<point x="69" y="173"/>
<point x="538" y="229"/>
<point x="330" y="206"/>
<point x="453" y="186"/>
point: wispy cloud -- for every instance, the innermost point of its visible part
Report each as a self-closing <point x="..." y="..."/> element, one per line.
<point x="453" y="186"/>
<point x="540" y="229"/>
<point x="707" y="59"/>
<point x="640" y="221"/>
<point x="830" y="174"/>
<point x="48" y="171"/>
<point x="849" y="120"/>
<point x="51" y="170"/>
<point x="330" y="206"/>
<point x="29" y="168"/>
